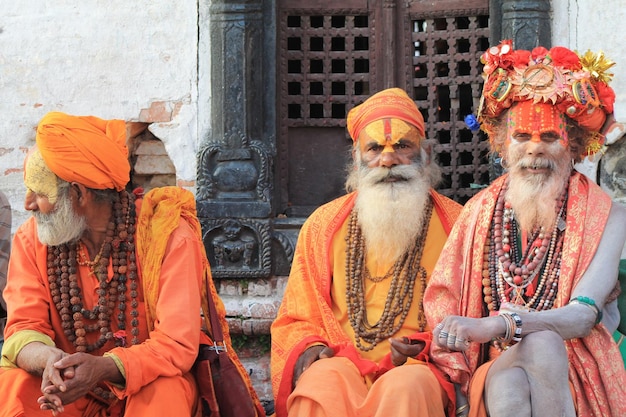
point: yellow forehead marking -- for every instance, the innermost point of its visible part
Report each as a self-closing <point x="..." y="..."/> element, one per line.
<point x="38" y="178"/>
<point x="390" y="131"/>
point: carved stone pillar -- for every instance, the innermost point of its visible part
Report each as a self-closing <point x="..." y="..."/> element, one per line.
<point x="526" y="22"/>
<point x="235" y="164"/>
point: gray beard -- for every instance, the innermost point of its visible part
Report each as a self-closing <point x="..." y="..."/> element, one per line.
<point x="61" y="226"/>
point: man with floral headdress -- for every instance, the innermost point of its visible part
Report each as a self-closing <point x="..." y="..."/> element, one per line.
<point x="103" y="289"/>
<point x="350" y="338"/>
<point x="522" y="300"/>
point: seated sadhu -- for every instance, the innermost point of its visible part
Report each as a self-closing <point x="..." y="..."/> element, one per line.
<point x="350" y="338"/>
<point x="523" y="298"/>
<point x="103" y="288"/>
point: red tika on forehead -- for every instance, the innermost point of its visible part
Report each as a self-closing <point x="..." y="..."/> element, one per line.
<point x="387" y="129"/>
<point x="536" y="119"/>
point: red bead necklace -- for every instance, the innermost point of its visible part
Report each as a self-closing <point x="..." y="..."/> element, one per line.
<point x="510" y="274"/>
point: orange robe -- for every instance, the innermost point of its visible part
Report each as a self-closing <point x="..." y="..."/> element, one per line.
<point x="596" y="370"/>
<point x="156" y="370"/>
<point x="309" y="314"/>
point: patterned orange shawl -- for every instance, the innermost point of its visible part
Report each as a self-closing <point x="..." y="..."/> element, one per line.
<point x="596" y="369"/>
<point x="305" y="316"/>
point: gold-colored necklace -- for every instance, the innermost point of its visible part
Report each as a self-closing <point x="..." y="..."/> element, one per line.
<point x="403" y="274"/>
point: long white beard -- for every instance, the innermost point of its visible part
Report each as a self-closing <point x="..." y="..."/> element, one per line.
<point x="534" y="197"/>
<point x="63" y="225"/>
<point x="391" y="213"/>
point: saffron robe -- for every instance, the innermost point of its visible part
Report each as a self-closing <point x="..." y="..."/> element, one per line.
<point x="169" y="343"/>
<point x="596" y="370"/>
<point x="306" y="314"/>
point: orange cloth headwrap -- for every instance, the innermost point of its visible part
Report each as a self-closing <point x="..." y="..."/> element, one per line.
<point x="85" y="149"/>
<point x="391" y="103"/>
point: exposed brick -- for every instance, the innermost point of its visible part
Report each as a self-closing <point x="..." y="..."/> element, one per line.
<point x="159" y="111"/>
<point x="263" y="310"/>
<point x="151" y="147"/>
<point x="235" y="325"/>
<point x="261" y="287"/>
<point x="256" y="326"/>
<point x="154" y="164"/>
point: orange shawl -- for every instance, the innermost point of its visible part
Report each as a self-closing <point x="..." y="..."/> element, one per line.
<point x="455" y="288"/>
<point x="161" y="211"/>
<point x="305" y="316"/>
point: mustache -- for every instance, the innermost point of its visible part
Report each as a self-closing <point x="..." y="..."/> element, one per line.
<point x="536" y="163"/>
<point x="380" y="175"/>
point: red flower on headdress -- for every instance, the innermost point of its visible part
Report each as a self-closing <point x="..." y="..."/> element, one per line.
<point x="520" y="58"/>
<point x="606" y="96"/>
<point x="539" y="53"/>
<point x="565" y="58"/>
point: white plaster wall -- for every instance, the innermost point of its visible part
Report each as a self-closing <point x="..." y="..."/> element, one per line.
<point x="111" y="59"/>
<point x="598" y="25"/>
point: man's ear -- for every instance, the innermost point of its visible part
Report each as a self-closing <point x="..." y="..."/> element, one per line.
<point x="427" y="150"/>
<point x="82" y="193"/>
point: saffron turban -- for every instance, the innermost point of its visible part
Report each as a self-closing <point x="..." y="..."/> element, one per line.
<point x="393" y="103"/>
<point x="85" y="149"/>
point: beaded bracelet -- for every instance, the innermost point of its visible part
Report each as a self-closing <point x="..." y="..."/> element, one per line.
<point x="590" y="303"/>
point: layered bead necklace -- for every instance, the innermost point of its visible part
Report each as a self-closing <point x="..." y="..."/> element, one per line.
<point x="526" y="277"/>
<point x="119" y="246"/>
<point x="403" y="275"/>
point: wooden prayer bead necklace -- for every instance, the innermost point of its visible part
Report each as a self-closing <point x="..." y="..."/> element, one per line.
<point x="510" y="276"/>
<point x="400" y="295"/>
<point x="118" y="245"/>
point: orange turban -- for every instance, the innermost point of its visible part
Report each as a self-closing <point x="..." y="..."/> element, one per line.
<point x="85" y="149"/>
<point x="391" y="103"/>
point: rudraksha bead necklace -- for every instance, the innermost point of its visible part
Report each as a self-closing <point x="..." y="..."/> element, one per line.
<point x="119" y="246"/>
<point x="400" y="295"/>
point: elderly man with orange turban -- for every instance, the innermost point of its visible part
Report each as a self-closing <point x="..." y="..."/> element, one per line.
<point x="103" y="288"/>
<point x="523" y="298"/>
<point x="350" y="338"/>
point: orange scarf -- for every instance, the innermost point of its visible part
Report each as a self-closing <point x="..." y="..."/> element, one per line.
<point x="161" y="211"/>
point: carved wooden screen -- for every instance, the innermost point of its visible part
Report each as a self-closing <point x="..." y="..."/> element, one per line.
<point x="333" y="55"/>
<point x="447" y="81"/>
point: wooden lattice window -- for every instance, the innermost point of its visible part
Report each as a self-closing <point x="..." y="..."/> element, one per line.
<point x="327" y="67"/>
<point x="446" y="87"/>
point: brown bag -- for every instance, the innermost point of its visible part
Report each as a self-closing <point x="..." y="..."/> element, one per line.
<point x="222" y="389"/>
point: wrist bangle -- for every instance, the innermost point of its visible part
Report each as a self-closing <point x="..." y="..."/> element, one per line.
<point x="462" y="408"/>
<point x="589" y="303"/>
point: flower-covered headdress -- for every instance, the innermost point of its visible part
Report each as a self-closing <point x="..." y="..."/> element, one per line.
<point x="576" y="84"/>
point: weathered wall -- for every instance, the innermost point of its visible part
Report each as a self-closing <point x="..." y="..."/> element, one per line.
<point x="148" y="61"/>
<point x="136" y="61"/>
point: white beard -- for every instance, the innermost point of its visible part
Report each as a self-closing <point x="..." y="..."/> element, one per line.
<point x="63" y="225"/>
<point x="534" y="197"/>
<point x="390" y="214"/>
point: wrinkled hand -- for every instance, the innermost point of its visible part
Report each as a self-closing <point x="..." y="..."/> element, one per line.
<point x="404" y="348"/>
<point x="74" y="376"/>
<point x="456" y="333"/>
<point x="55" y="378"/>
<point x="309" y="356"/>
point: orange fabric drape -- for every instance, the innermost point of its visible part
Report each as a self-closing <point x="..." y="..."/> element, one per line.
<point x="306" y="316"/>
<point x="596" y="370"/>
<point x="160" y="214"/>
